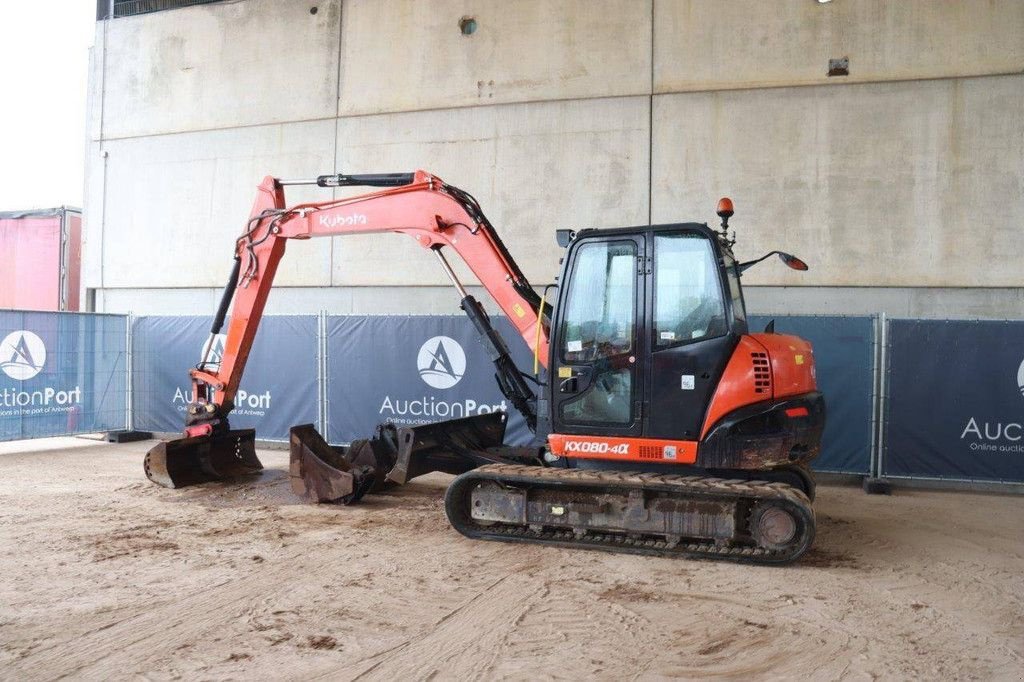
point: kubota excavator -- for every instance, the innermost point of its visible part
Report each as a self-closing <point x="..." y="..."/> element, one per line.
<point x="664" y="427"/>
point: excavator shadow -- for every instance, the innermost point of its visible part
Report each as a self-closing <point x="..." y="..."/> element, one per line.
<point x="268" y="488"/>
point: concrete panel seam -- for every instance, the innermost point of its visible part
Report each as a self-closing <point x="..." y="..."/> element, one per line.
<point x="266" y="124"/>
<point x="650" y="130"/>
<point x="833" y="82"/>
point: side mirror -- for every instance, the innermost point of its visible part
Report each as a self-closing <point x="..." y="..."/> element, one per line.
<point x="792" y="261"/>
<point x="565" y="237"/>
<point x="787" y="258"/>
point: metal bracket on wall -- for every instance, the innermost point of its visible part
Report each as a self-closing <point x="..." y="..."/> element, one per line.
<point x="839" y="67"/>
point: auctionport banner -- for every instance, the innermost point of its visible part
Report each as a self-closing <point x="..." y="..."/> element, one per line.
<point x="955" y="406"/>
<point x="412" y="371"/>
<point x="278" y="389"/>
<point x="61" y="373"/>
<point x="843" y="354"/>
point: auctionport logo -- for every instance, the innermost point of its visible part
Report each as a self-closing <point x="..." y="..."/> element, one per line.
<point x="996" y="436"/>
<point x="213" y="351"/>
<point x="247" y="403"/>
<point x="1020" y="377"/>
<point x="22" y="355"/>
<point x="441" y="362"/>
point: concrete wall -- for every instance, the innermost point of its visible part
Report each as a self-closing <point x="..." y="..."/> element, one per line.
<point x="522" y="51"/>
<point x="907" y="184"/>
<point x="709" y="45"/>
<point x="225" y="66"/>
<point x="901" y="184"/>
<point x="533" y="168"/>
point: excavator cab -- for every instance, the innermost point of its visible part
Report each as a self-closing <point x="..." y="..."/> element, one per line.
<point x="646" y="320"/>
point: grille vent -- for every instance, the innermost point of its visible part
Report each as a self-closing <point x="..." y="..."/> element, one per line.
<point x="650" y="452"/>
<point x="762" y="373"/>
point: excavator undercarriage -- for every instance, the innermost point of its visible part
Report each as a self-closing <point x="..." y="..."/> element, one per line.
<point x="689" y="516"/>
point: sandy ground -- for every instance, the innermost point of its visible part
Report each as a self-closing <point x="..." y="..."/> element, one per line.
<point x="103" y="575"/>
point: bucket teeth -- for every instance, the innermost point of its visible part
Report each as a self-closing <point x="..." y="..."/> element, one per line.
<point x="189" y="461"/>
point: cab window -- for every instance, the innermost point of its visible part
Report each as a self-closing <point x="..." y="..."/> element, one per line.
<point x="688" y="302"/>
<point x="599" y="316"/>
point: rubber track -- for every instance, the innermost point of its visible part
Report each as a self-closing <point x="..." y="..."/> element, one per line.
<point x="457" y="505"/>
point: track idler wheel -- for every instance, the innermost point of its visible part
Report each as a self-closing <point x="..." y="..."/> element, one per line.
<point x="189" y="461"/>
<point x="774" y="527"/>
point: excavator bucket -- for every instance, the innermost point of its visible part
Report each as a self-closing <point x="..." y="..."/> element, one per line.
<point x="188" y="461"/>
<point x="320" y="473"/>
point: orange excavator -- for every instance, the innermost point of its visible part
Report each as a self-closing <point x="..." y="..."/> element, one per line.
<point x="664" y="426"/>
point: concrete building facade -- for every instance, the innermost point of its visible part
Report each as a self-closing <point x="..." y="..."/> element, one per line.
<point x="901" y="183"/>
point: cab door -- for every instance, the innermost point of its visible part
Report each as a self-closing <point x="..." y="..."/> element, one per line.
<point x="693" y="332"/>
<point x="596" y="383"/>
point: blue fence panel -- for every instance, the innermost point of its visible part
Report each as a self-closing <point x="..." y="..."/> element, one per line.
<point x="844" y="360"/>
<point x="61" y="373"/>
<point x="279" y="388"/>
<point x="412" y="371"/>
<point x="955" y="400"/>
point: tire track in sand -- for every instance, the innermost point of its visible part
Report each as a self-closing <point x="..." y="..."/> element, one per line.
<point x="138" y="641"/>
<point x="517" y="625"/>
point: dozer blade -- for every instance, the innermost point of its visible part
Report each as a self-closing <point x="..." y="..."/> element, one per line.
<point x="188" y="461"/>
<point x="320" y="473"/>
<point x="454" y="447"/>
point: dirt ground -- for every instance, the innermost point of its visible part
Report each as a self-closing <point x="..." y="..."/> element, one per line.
<point x="103" y="575"/>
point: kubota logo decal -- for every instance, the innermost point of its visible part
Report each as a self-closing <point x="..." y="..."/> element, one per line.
<point x="22" y="355"/>
<point x="441" y="362"/>
<point x="335" y="220"/>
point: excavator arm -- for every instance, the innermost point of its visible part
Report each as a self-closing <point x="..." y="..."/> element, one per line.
<point x="435" y="214"/>
<point x="438" y="216"/>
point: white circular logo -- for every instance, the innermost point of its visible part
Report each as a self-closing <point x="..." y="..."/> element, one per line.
<point x="441" y="362"/>
<point x="1020" y="377"/>
<point x="213" y="351"/>
<point x="22" y="355"/>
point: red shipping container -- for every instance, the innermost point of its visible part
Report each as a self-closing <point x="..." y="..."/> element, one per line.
<point x="40" y="259"/>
